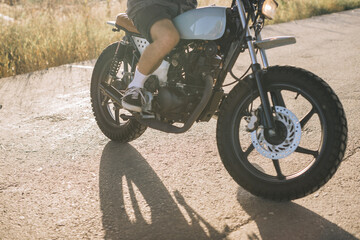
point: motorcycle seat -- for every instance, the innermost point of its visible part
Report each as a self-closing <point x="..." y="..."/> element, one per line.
<point x="122" y="20"/>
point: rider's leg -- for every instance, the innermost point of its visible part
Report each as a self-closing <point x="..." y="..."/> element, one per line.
<point x="165" y="37"/>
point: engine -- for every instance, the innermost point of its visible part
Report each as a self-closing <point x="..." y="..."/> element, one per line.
<point x="176" y="99"/>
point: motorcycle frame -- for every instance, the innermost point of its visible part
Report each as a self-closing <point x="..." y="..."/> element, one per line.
<point x="235" y="49"/>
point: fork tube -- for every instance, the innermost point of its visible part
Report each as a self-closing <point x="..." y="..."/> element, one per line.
<point x="250" y="44"/>
<point x="262" y="53"/>
<point x="256" y="68"/>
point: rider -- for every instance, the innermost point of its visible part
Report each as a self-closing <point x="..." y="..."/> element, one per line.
<point x="153" y="19"/>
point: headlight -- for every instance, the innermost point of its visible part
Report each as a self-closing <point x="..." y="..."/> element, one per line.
<point x="269" y="8"/>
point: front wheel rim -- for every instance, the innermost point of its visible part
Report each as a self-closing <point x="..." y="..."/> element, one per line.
<point x="275" y="172"/>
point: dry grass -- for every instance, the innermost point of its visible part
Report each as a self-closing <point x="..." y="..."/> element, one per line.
<point x="300" y="9"/>
<point x="47" y="33"/>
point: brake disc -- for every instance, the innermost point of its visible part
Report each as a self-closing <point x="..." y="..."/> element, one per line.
<point x="290" y="142"/>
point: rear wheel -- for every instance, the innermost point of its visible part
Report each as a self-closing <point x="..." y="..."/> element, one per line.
<point x="107" y="113"/>
<point x="309" y="146"/>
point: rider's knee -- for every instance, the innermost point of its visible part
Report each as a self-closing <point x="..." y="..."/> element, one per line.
<point x="165" y="33"/>
<point x="172" y="39"/>
<point x="168" y="41"/>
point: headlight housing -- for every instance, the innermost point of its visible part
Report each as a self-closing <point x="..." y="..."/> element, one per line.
<point x="269" y="8"/>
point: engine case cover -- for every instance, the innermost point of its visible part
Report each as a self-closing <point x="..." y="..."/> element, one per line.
<point x="171" y="101"/>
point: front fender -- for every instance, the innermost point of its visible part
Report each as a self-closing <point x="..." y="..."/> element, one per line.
<point x="274" y="42"/>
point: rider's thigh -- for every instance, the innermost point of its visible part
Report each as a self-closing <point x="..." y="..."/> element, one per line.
<point x="165" y="31"/>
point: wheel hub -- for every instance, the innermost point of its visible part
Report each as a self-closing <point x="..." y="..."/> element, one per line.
<point x="280" y="136"/>
<point x="286" y="140"/>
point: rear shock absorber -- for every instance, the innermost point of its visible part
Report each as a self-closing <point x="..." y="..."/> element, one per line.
<point x="116" y="61"/>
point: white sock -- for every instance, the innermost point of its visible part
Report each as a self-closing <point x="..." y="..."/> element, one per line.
<point x="139" y="79"/>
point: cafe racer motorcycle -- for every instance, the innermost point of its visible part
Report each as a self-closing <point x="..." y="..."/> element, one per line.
<point x="281" y="130"/>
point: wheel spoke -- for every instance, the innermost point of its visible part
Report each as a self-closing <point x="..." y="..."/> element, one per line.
<point x="117" y="116"/>
<point x="105" y="100"/>
<point x="249" y="150"/>
<point x="307" y="151"/>
<point x="280" y="176"/>
<point x="277" y="98"/>
<point x="308" y="116"/>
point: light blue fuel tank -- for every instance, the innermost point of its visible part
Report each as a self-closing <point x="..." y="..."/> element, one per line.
<point x="207" y="23"/>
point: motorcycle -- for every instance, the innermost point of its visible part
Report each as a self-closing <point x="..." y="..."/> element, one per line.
<point x="281" y="130"/>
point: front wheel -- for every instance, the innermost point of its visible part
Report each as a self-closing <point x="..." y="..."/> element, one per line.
<point x="310" y="141"/>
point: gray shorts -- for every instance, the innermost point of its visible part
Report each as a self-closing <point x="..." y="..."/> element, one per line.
<point x="146" y="17"/>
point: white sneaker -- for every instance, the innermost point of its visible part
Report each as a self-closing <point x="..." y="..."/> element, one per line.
<point x="133" y="99"/>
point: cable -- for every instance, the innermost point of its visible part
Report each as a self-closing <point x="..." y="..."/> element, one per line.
<point x="236" y="78"/>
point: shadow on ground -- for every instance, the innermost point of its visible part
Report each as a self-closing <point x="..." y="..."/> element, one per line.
<point x="136" y="204"/>
<point x="288" y="220"/>
<point x="128" y="183"/>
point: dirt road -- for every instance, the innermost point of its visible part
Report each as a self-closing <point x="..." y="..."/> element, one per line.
<point x="60" y="178"/>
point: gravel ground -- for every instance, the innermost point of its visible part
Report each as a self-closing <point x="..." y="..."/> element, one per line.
<point x="60" y="178"/>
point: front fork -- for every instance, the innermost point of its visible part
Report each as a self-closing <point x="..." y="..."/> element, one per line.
<point x="257" y="70"/>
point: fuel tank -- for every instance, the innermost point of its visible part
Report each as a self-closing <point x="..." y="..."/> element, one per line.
<point x="207" y="23"/>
